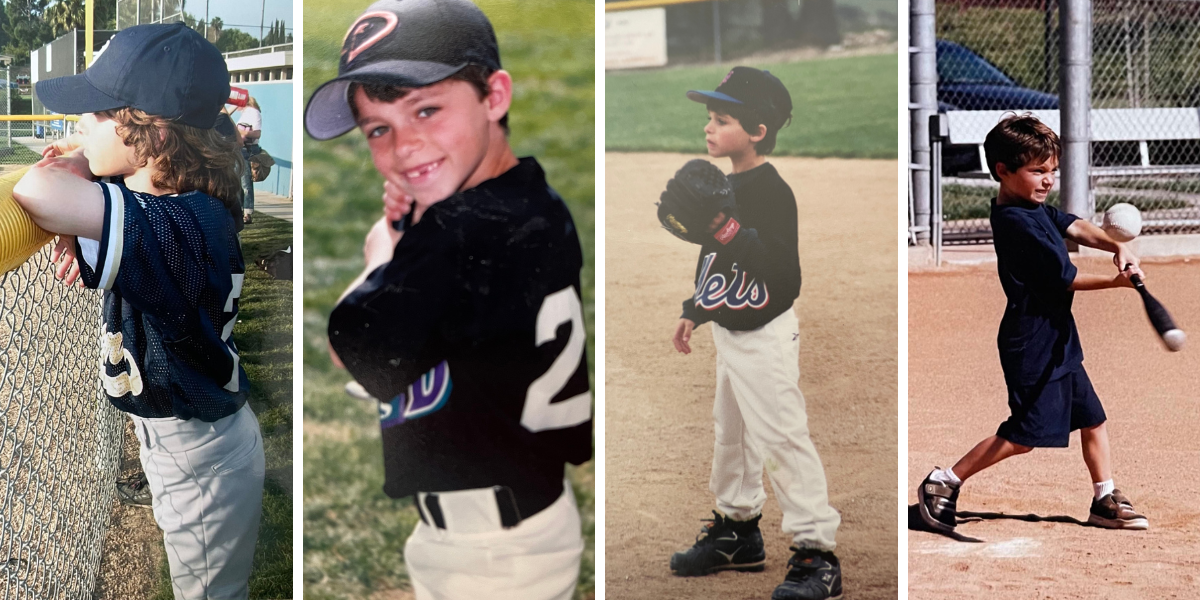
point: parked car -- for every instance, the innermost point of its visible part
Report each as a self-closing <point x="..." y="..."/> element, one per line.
<point x="967" y="81"/>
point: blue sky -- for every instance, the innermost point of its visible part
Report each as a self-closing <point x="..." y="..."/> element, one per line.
<point x="244" y="14"/>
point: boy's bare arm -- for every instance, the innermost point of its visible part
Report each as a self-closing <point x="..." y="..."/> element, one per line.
<point x="1088" y="281"/>
<point x="60" y="199"/>
<point x="1086" y="234"/>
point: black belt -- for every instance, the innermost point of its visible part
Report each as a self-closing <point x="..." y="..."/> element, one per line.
<point x="514" y="507"/>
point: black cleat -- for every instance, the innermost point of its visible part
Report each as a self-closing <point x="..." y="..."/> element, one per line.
<point x="1115" y="511"/>
<point x="814" y="575"/>
<point x="938" y="504"/>
<point x="724" y="544"/>
<point x="135" y="492"/>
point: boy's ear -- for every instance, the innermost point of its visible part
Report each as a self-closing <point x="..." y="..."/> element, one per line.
<point x="762" y="133"/>
<point x="499" y="96"/>
<point x="1002" y="169"/>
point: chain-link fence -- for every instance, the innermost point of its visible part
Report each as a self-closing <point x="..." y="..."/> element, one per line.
<point x="723" y="30"/>
<point x="999" y="56"/>
<point x="59" y="439"/>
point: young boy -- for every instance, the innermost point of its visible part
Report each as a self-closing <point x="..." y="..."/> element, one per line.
<point x="759" y="410"/>
<point x="468" y="326"/>
<point x="160" y="241"/>
<point x="1049" y="393"/>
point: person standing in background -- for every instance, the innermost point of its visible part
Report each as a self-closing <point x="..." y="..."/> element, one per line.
<point x="249" y="125"/>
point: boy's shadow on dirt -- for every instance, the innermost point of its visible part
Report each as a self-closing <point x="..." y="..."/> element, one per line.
<point x="916" y="524"/>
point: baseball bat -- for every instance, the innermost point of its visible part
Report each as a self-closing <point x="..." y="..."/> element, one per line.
<point x="1172" y="336"/>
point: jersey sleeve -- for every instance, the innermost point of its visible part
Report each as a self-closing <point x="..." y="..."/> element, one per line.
<point x="158" y="255"/>
<point x="1062" y="220"/>
<point x="382" y="330"/>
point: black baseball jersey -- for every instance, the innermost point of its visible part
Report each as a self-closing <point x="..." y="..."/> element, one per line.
<point x="473" y="339"/>
<point x="754" y="278"/>
<point x="171" y="270"/>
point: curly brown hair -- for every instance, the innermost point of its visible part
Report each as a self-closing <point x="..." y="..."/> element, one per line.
<point x="186" y="158"/>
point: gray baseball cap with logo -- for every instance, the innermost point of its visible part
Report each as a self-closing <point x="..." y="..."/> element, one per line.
<point x="404" y="43"/>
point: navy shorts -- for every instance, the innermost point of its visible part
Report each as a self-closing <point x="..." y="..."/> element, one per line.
<point x="1043" y="416"/>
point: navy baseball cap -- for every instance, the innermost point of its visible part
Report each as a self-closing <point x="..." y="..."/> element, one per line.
<point x="167" y="70"/>
<point x="757" y="90"/>
<point x="404" y="43"/>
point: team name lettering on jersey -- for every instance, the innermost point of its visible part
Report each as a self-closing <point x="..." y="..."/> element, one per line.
<point x="713" y="292"/>
<point x="424" y="397"/>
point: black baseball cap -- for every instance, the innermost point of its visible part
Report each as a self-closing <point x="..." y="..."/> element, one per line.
<point x="405" y="43"/>
<point x="757" y="90"/>
<point x="167" y="70"/>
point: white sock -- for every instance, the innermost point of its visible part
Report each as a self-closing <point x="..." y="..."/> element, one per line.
<point x="1103" y="488"/>
<point x="945" y="476"/>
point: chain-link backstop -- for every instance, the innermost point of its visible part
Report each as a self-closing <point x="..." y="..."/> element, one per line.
<point x="995" y="56"/>
<point x="59" y="440"/>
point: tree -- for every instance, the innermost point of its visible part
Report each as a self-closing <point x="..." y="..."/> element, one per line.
<point x="819" y="24"/>
<point x="66" y="15"/>
<point x="26" y="28"/>
<point x="232" y="40"/>
<point x="3" y="26"/>
<point x="277" y="35"/>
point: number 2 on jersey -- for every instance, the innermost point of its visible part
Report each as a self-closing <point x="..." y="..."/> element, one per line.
<point x="538" y="413"/>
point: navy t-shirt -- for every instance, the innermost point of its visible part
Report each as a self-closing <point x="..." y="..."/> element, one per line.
<point x="1038" y="340"/>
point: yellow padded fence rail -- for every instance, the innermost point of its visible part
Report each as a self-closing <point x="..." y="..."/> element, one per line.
<point x="20" y="237"/>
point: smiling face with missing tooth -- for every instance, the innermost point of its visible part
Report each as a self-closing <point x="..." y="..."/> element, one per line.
<point x="432" y="141"/>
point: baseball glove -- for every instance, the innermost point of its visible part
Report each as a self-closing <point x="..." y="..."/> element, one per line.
<point x="694" y="199"/>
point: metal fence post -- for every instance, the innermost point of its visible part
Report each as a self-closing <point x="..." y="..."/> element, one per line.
<point x="716" y="4"/>
<point x="923" y="92"/>
<point x="938" y="131"/>
<point x="8" y="101"/>
<point x="1075" y="99"/>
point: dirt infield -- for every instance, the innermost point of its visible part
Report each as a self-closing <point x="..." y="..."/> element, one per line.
<point x="957" y="397"/>
<point x="658" y="404"/>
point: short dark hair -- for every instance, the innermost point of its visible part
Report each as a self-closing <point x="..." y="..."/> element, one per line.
<point x="475" y="75"/>
<point x="1019" y="140"/>
<point x="750" y="119"/>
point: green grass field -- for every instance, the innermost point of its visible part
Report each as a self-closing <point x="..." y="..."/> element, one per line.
<point x="264" y="338"/>
<point x="843" y="107"/>
<point x="353" y="534"/>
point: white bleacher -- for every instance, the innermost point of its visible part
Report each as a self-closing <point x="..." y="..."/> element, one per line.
<point x="1142" y="125"/>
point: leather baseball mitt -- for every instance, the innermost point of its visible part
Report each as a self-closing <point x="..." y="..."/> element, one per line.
<point x="698" y="204"/>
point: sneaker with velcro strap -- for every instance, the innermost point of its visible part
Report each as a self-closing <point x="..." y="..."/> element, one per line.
<point x="723" y="545"/>
<point x="813" y="575"/>
<point x="1115" y="511"/>
<point x="938" y="503"/>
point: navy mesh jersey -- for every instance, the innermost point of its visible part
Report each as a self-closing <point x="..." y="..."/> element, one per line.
<point x="473" y="338"/>
<point x="172" y="271"/>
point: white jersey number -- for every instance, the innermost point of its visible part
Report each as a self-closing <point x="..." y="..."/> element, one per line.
<point x="539" y="414"/>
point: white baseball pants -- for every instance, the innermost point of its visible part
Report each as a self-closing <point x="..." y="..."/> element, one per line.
<point x="761" y="421"/>
<point x="475" y="557"/>
<point x="207" y="481"/>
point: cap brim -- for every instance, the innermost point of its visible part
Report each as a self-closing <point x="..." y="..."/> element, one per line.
<point x="328" y="112"/>
<point x="74" y="95"/>
<point x="706" y="97"/>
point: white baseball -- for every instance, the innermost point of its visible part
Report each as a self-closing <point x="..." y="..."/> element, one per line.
<point x="1122" y="222"/>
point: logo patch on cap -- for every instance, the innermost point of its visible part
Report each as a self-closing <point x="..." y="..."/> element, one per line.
<point x="366" y="31"/>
